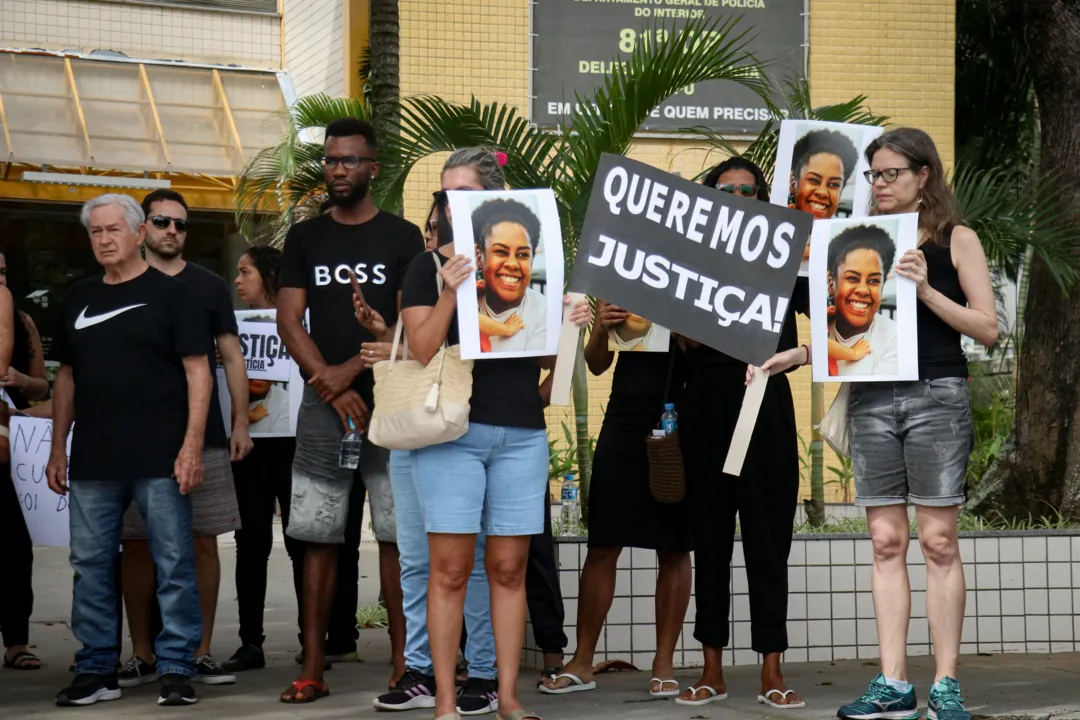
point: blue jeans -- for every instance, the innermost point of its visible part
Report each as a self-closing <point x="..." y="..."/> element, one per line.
<point x="415" y="569"/>
<point x="97" y="511"/>
<point x="491" y="479"/>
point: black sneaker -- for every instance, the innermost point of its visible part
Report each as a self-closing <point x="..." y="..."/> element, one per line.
<point x="414" y="690"/>
<point x="208" y="671"/>
<point x="176" y="689"/>
<point x="246" y="657"/>
<point x="88" y="689"/>
<point x="478" y="697"/>
<point x="137" y="671"/>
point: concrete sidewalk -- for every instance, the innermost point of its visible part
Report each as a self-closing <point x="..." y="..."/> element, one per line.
<point x="1010" y="685"/>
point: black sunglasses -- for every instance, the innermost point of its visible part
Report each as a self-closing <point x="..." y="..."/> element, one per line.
<point x="744" y="190"/>
<point x="349" y="162"/>
<point x="161" y="222"/>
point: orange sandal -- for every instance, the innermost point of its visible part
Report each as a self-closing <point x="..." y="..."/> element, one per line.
<point x="299" y="686"/>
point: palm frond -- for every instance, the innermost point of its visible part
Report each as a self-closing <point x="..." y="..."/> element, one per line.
<point x="1009" y="222"/>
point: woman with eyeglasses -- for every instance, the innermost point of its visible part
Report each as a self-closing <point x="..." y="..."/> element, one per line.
<point x="491" y="481"/>
<point x="764" y="496"/>
<point x="910" y="441"/>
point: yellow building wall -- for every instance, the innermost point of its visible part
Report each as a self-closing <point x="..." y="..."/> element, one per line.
<point x="901" y="56"/>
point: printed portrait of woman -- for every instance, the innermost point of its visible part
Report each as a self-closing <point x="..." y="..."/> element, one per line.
<point x="513" y="315"/>
<point x="268" y="409"/>
<point x="822" y="163"/>
<point x="862" y="340"/>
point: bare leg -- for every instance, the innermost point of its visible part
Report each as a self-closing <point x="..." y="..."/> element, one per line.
<point x="138" y="587"/>
<point x="772" y="678"/>
<point x="208" y="579"/>
<point x="946" y="594"/>
<point x="390" y="585"/>
<point x="451" y="564"/>
<point x="597" y="589"/>
<point x="672" y="599"/>
<point x="505" y="561"/>
<point x="890" y="532"/>
<point x="712" y="675"/>
<point x="320" y="579"/>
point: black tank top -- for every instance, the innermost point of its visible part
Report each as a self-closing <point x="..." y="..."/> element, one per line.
<point x="940" y="353"/>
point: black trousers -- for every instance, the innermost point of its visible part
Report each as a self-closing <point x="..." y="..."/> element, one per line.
<point x="764" y="496"/>
<point x="263" y="479"/>
<point x="342" y="632"/>
<point x="17" y="595"/>
<point x="542" y="591"/>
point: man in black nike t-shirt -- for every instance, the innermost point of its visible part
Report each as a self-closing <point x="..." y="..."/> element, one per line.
<point x="133" y="352"/>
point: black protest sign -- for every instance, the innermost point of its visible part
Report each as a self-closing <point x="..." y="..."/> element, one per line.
<point x="710" y="265"/>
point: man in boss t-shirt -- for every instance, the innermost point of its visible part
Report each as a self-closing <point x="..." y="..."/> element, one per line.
<point x="133" y="352"/>
<point x="214" y="507"/>
<point x="335" y="360"/>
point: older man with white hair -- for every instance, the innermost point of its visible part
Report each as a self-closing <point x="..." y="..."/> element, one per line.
<point x="133" y="354"/>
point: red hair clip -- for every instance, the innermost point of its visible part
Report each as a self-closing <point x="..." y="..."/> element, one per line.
<point x="501" y="158"/>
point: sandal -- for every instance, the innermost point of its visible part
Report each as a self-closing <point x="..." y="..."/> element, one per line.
<point x="764" y="699"/>
<point x="23" y="660"/>
<point x="576" y="685"/>
<point x="521" y="714"/>
<point x="662" y="692"/>
<point x="713" y="696"/>
<point x="299" y="686"/>
<point x="548" y="673"/>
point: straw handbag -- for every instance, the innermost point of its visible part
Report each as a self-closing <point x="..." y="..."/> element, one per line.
<point x="667" y="479"/>
<point x="420" y="405"/>
<point x="834" y="426"/>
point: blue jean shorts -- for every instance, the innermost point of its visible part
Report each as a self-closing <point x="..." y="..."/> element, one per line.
<point x="319" y="504"/>
<point x="910" y="442"/>
<point x="492" y="478"/>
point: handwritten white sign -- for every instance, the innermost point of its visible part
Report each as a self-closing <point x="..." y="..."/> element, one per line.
<point x="46" y="512"/>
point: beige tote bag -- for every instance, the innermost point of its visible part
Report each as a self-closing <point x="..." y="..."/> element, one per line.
<point x="420" y="405"/>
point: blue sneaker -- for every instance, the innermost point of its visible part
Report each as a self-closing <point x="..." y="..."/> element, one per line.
<point x="882" y="701"/>
<point x="945" y="701"/>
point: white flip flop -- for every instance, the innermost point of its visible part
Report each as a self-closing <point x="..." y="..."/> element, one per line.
<point x="662" y="692"/>
<point x="575" y="685"/>
<point x="713" y="696"/>
<point x="764" y="699"/>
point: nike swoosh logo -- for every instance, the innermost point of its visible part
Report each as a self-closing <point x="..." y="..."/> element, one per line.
<point x="83" y="321"/>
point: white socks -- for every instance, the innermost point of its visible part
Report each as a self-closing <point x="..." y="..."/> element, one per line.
<point x="898" y="685"/>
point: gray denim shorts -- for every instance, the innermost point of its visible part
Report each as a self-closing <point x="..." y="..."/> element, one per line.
<point x="910" y="442"/>
<point x="319" y="507"/>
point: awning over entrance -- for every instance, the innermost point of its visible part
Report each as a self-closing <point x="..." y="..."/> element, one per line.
<point x="126" y="116"/>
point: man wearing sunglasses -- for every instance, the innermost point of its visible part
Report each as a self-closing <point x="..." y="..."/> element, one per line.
<point x="214" y="508"/>
<point x="322" y="257"/>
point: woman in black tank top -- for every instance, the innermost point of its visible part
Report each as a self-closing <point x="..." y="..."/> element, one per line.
<point x="910" y="442"/>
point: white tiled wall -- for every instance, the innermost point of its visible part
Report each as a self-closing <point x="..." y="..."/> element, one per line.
<point x="141" y="31"/>
<point x="1022" y="593"/>
<point x="314" y="46"/>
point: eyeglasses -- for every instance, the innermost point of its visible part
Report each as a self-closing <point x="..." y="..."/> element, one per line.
<point x="889" y="175"/>
<point x="349" y="162"/>
<point x="744" y="190"/>
<point x="161" y="222"/>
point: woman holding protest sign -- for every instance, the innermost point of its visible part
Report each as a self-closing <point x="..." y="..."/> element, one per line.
<point x="262" y="479"/>
<point x="492" y="479"/>
<point x="765" y="496"/>
<point x="622" y="511"/>
<point x="910" y="441"/>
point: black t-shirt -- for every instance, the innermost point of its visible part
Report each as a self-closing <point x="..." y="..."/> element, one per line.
<point x="318" y="256"/>
<point x="211" y="295"/>
<point x="639" y="386"/>
<point x="505" y="392"/>
<point x="125" y="344"/>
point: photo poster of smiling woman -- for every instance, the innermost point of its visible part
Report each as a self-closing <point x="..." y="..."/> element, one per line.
<point x="862" y="314"/>
<point x="514" y="308"/>
<point x="637" y="334"/>
<point x="819" y="170"/>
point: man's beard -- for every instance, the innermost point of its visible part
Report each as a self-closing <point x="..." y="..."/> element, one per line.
<point x="165" y="254"/>
<point x="359" y="192"/>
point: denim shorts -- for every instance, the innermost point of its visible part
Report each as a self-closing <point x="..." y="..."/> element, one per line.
<point x="319" y="504"/>
<point x="492" y="478"/>
<point x="910" y="442"/>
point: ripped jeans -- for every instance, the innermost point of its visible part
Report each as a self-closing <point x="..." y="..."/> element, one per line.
<point x="319" y="503"/>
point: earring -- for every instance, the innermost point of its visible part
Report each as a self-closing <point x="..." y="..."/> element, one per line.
<point x="919" y="202"/>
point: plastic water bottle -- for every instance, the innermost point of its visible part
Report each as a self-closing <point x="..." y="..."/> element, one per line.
<point x="571" y="512"/>
<point x="350" y="448"/>
<point x="669" y="421"/>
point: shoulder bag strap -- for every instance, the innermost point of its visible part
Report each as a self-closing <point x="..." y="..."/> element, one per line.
<point x="674" y="348"/>
<point x="439" y="284"/>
